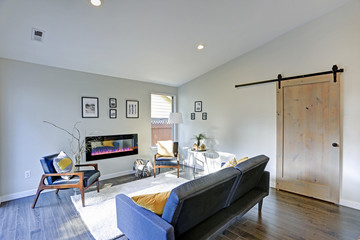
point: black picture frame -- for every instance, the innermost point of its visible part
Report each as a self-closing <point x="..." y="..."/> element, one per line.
<point x="112" y="113"/>
<point x="198" y="106"/>
<point x="192" y="116"/>
<point x="132" y="109"/>
<point x="90" y="107"/>
<point x="204" y="116"/>
<point x="112" y="103"/>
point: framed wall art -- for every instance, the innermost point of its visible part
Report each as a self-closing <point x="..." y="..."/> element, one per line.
<point x="204" y="116"/>
<point x="112" y="103"/>
<point x="90" y="107"/>
<point x="198" y="106"/>
<point x="192" y="116"/>
<point x="112" y="113"/>
<point x="132" y="109"/>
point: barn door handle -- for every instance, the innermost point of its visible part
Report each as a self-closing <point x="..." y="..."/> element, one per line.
<point x="335" y="145"/>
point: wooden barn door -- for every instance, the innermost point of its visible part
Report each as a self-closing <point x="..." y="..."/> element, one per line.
<point x="308" y="137"/>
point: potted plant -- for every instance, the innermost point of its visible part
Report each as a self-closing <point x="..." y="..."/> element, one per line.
<point x="197" y="145"/>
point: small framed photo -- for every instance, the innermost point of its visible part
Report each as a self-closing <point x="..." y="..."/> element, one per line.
<point x="204" y="116"/>
<point x="198" y="106"/>
<point x="112" y="113"/>
<point x="132" y="109"/>
<point x="90" y="107"/>
<point x="192" y="116"/>
<point x="112" y="103"/>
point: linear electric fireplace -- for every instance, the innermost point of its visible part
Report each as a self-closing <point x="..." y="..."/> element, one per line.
<point x="102" y="147"/>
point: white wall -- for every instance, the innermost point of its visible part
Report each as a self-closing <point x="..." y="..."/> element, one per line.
<point x="243" y="120"/>
<point x="30" y="94"/>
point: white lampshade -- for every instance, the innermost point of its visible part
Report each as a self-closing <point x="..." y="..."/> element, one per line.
<point x="175" y="117"/>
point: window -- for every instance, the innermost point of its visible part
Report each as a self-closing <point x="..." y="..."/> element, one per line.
<point x="161" y="107"/>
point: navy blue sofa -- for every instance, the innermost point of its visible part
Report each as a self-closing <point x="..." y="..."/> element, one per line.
<point x="199" y="209"/>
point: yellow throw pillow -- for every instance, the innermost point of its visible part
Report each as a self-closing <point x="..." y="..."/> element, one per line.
<point x="64" y="163"/>
<point x="165" y="148"/>
<point x="230" y="163"/>
<point x="242" y="160"/>
<point x="153" y="202"/>
<point x="233" y="162"/>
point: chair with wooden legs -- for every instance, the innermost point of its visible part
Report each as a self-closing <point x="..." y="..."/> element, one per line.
<point x="81" y="179"/>
<point x="167" y="156"/>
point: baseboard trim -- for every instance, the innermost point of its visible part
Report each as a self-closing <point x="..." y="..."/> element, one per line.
<point x="118" y="174"/>
<point x="344" y="203"/>
<point x="31" y="192"/>
<point x="350" y="204"/>
<point x="17" y="195"/>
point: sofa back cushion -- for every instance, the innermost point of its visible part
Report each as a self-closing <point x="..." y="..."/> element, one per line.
<point x="251" y="172"/>
<point x="196" y="200"/>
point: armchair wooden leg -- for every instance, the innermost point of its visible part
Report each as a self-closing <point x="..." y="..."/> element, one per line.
<point x="82" y="196"/>
<point x="98" y="186"/>
<point x="37" y="196"/>
<point x="57" y="190"/>
<point x="154" y="172"/>
<point x="178" y="168"/>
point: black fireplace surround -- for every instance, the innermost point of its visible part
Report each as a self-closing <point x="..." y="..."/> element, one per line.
<point x="102" y="147"/>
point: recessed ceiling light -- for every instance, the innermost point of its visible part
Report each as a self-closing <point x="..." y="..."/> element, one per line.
<point x="200" y="46"/>
<point x="96" y="3"/>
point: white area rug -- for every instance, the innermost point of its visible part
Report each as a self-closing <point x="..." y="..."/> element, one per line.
<point x="99" y="213"/>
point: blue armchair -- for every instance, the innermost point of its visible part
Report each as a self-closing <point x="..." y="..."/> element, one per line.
<point x="81" y="179"/>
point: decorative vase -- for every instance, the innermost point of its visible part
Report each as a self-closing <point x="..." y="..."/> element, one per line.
<point x="77" y="160"/>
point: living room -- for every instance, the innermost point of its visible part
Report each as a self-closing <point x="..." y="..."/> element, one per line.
<point x="241" y="121"/>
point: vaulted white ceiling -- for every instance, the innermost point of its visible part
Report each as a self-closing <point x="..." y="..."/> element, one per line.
<point x="148" y="40"/>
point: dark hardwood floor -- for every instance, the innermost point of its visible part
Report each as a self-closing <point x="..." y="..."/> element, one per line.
<point x="284" y="216"/>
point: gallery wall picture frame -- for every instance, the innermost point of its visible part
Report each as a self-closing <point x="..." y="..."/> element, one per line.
<point x="198" y="106"/>
<point x="112" y="103"/>
<point x="90" y="107"/>
<point x="204" y="116"/>
<point x="113" y="113"/>
<point x="192" y="116"/>
<point x="132" y="109"/>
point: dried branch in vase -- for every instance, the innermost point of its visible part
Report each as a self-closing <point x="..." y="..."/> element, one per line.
<point x="77" y="144"/>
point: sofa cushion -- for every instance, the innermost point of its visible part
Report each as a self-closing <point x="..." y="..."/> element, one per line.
<point x="154" y="202"/>
<point x="196" y="200"/>
<point x="166" y="161"/>
<point x="251" y="172"/>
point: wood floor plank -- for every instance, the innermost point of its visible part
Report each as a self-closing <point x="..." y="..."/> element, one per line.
<point x="10" y="219"/>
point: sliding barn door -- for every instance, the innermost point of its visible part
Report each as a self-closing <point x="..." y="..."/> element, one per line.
<point x="308" y="137"/>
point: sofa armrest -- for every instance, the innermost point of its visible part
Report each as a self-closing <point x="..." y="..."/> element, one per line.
<point x="139" y="223"/>
<point x="264" y="183"/>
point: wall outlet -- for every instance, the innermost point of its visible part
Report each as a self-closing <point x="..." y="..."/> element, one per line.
<point x="27" y="174"/>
